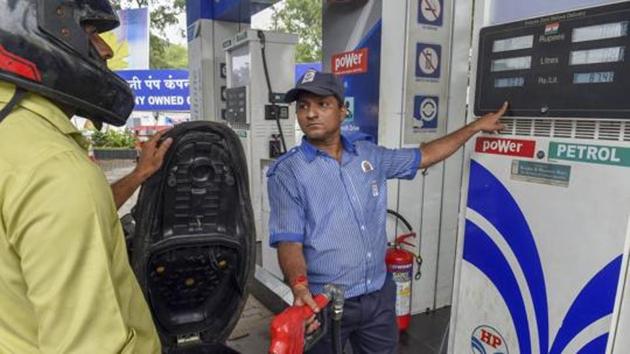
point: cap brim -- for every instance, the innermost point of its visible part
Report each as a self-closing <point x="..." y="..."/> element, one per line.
<point x="293" y="94"/>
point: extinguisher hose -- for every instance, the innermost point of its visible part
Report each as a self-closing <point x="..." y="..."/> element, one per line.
<point x="401" y="218"/>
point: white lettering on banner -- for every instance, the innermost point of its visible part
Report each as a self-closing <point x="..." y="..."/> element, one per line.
<point x="504" y="146"/>
<point x="140" y="100"/>
<point x="171" y="84"/>
<point x="592" y="153"/>
<point x="166" y="100"/>
<point x="349" y="60"/>
<point x="562" y="149"/>
<point x="153" y="83"/>
<point x="135" y="83"/>
<point x="571" y="151"/>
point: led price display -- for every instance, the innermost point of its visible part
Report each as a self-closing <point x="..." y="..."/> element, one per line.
<point x="594" y="78"/>
<point x="559" y="65"/>
<point x="596" y="56"/>
<point x="515" y="43"/>
<point x="518" y="63"/>
<point x="600" y="32"/>
<point x="509" y="82"/>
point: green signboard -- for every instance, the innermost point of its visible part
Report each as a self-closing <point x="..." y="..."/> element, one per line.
<point x="599" y="154"/>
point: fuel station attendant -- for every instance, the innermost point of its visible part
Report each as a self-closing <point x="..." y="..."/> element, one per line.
<point x="328" y="201"/>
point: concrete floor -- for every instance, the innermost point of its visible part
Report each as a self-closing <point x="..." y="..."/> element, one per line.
<point x="425" y="335"/>
<point x="251" y="334"/>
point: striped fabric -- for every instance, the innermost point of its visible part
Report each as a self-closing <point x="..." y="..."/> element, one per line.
<point x="337" y="210"/>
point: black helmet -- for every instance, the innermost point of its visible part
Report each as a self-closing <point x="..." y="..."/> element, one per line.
<point x="44" y="49"/>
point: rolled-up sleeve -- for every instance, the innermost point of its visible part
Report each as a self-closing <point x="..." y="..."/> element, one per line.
<point x="286" y="220"/>
<point x="400" y="163"/>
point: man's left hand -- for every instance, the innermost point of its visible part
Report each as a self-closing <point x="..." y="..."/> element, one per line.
<point x="152" y="155"/>
<point x="490" y="123"/>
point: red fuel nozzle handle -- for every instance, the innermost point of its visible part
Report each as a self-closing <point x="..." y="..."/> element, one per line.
<point x="288" y="330"/>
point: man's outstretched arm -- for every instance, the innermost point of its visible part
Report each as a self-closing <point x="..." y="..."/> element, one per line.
<point x="151" y="159"/>
<point x="439" y="149"/>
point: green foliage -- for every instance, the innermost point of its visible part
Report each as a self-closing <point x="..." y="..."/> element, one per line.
<point x="163" y="54"/>
<point x="304" y="18"/>
<point x="113" y="139"/>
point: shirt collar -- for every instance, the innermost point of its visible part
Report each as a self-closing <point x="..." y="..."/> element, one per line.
<point x="46" y="110"/>
<point x="311" y="151"/>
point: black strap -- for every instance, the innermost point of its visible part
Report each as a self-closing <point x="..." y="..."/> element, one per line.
<point x="17" y="97"/>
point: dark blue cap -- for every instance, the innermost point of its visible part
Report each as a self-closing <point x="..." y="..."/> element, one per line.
<point x="318" y="83"/>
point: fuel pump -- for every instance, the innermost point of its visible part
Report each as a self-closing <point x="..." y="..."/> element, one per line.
<point x="260" y="69"/>
<point x="546" y="201"/>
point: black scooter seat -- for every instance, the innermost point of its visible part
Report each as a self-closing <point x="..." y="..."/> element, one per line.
<point x="193" y="247"/>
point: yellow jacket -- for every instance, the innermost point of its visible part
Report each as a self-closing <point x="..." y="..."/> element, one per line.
<point x="65" y="281"/>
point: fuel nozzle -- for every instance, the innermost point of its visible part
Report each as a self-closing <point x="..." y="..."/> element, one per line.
<point x="336" y="295"/>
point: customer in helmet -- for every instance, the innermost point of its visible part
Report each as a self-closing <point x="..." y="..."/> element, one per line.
<point x="65" y="282"/>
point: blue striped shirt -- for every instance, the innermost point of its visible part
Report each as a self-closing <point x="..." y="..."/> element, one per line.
<point x="337" y="210"/>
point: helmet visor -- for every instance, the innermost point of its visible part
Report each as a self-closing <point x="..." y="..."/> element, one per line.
<point x="98" y="13"/>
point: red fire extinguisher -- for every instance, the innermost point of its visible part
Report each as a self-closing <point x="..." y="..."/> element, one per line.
<point x="400" y="265"/>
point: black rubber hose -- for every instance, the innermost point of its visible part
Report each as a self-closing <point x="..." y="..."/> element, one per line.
<point x="336" y="337"/>
<point x="261" y="36"/>
<point x="401" y="218"/>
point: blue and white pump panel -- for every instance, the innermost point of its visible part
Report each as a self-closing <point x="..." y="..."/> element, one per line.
<point x="542" y="253"/>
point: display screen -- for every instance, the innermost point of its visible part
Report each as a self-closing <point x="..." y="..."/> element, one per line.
<point x="240" y="66"/>
<point x="596" y="56"/>
<point x="509" y="82"/>
<point x="599" y="32"/>
<point x="574" y="64"/>
<point x="519" y="63"/>
<point x="594" y="78"/>
<point x="515" y="43"/>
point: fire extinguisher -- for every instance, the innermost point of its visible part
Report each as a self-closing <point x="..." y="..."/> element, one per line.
<point x="399" y="263"/>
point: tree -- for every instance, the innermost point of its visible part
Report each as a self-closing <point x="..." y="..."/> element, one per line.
<point x="304" y="18"/>
<point x="163" y="54"/>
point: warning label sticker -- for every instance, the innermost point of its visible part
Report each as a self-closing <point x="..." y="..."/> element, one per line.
<point x="428" y="60"/>
<point x="430" y="12"/>
<point x="540" y="172"/>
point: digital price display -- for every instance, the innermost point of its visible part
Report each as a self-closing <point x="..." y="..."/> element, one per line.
<point x="596" y="56"/>
<point x="509" y="64"/>
<point x="509" y="82"/>
<point x="568" y="64"/>
<point x="594" y="78"/>
<point x="516" y="43"/>
<point x="599" y="32"/>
